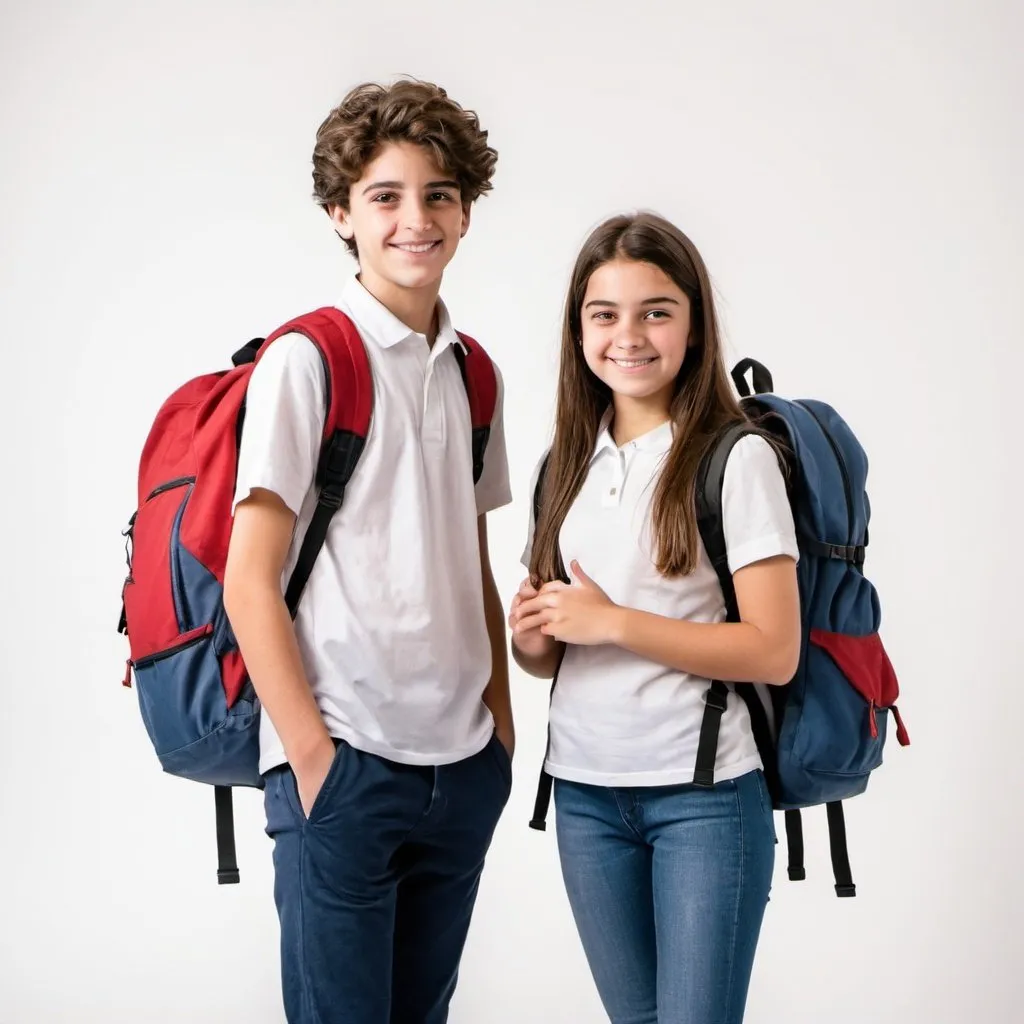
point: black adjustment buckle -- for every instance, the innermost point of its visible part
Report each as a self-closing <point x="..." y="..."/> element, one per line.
<point x="846" y="890"/>
<point x="716" y="701"/>
<point x="228" y="876"/>
<point x="797" y="874"/>
<point x="332" y="497"/>
<point x="338" y="463"/>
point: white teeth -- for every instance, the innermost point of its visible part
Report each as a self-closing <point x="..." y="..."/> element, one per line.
<point x="630" y="363"/>
<point x="416" y="247"/>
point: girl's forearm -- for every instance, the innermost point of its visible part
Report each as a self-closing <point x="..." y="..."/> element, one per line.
<point x="730" y="651"/>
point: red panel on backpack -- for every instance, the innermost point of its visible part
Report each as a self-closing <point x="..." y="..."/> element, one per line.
<point x="483" y="395"/>
<point x="148" y="594"/>
<point x="865" y="664"/>
<point x="348" y="368"/>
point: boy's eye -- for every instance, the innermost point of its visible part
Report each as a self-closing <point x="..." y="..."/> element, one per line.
<point x="439" y="197"/>
<point x="384" y="197"/>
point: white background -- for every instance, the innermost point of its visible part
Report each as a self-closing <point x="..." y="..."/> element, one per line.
<point x="852" y="174"/>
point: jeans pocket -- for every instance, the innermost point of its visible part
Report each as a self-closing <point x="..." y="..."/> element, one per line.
<point x="290" y="785"/>
<point x="504" y="762"/>
<point x="766" y="803"/>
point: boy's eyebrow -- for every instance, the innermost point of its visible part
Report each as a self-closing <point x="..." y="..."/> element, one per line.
<point x="657" y="300"/>
<point x="397" y="185"/>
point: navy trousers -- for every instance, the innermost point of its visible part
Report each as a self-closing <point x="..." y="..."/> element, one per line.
<point x="376" y="888"/>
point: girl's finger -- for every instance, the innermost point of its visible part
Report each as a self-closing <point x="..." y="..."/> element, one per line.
<point x="535" y="621"/>
<point x="531" y="607"/>
<point x="553" y="587"/>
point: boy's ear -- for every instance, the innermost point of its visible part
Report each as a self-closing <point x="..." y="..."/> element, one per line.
<point x="467" y="210"/>
<point x="342" y="222"/>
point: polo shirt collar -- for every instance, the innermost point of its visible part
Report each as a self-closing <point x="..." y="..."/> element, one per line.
<point x="376" y="321"/>
<point x="656" y="441"/>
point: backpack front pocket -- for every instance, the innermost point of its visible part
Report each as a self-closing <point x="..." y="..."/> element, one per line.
<point x="154" y="611"/>
<point x="844" y="714"/>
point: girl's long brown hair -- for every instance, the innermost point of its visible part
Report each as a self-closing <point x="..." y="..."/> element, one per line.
<point x="703" y="404"/>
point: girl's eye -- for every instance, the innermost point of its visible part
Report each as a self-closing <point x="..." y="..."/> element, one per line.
<point x="658" y="314"/>
<point x="603" y="317"/>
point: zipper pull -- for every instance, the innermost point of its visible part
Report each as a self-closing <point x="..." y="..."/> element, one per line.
<point x="873" y="720"/>
<point x="127" y="681"/>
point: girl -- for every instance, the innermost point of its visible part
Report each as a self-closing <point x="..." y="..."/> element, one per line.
<point x="667" y="881"/>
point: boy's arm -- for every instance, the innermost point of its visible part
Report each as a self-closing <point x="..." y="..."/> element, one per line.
<point x="256" y="609"/>
<point x="496" y="695"/>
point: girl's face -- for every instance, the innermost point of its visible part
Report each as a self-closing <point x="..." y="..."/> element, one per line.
<point x="636" y="330"/>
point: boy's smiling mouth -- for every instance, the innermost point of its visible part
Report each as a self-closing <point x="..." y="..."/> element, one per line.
<point x="416" y="247"/>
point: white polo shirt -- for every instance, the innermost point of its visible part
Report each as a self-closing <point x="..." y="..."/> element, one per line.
<point x="391" y="624"/>
<point x="618" y="719"/>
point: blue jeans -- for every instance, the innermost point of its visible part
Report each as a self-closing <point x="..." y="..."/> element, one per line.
<point x="668" y="886"/>
<point x="375" y="889"/>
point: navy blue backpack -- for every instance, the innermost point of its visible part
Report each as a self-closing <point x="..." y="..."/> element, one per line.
<point x="821" y="735"/>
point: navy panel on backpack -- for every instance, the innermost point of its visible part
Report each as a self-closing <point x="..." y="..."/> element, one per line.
<point x="822" y="735"/>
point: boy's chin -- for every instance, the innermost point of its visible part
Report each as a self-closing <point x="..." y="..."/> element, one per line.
<point x="411" y="277"/>
<point x="414" y="280"/>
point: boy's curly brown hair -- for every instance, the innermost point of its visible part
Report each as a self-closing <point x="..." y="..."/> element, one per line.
<point x="406" y="111"/>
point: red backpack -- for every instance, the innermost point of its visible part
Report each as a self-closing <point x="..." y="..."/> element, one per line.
<point x="197" y="702"/>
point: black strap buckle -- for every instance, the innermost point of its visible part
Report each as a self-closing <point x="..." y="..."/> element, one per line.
<point x="716" y="700"/>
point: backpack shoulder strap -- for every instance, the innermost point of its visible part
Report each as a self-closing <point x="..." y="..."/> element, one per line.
<point x="346" y="424"/>
<point x="346" y="366"/>
<point x="710" y="481"/>
<point x="708" y="492"/>
<point x="481" y="382"/>
<point x="538" y="490"/>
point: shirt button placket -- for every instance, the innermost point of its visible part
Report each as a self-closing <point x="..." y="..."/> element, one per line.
<point x="614" y="493"/>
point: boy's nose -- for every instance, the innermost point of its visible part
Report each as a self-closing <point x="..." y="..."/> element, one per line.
<point x="417" y="216"/>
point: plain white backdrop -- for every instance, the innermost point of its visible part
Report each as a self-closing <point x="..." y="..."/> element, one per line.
<point x="851" y="174"/>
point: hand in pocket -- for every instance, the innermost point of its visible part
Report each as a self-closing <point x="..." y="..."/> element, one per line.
<point x="310" y="777"/>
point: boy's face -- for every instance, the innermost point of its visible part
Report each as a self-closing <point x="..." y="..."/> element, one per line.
<point x="407" y="218"/>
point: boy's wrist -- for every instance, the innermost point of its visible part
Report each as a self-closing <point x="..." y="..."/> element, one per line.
<point x="311" y="751"/>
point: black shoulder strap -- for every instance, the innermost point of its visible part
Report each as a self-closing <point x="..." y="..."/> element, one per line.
<point x="538" y="490"/>
<point x="710" y="479"/>
<point x="543" y="798"/>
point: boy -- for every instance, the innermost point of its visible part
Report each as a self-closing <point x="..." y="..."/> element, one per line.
<point x="386" y="735"/>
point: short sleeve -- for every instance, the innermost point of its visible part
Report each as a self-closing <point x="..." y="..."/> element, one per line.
<point x="493" y="489"/>
<point x="756" y="516"/>
<point x="285" y="407"/>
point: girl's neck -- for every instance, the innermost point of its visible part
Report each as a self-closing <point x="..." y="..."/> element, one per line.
<point x="634" y="417"/>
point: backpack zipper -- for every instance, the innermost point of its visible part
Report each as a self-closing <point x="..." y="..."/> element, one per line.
<point x="149" y="659"/>
<point x="180" y="481"/>
<point x="847" y="488"/>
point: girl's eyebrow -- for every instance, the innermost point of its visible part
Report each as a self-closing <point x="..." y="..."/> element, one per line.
<point x="657" y="300"/>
